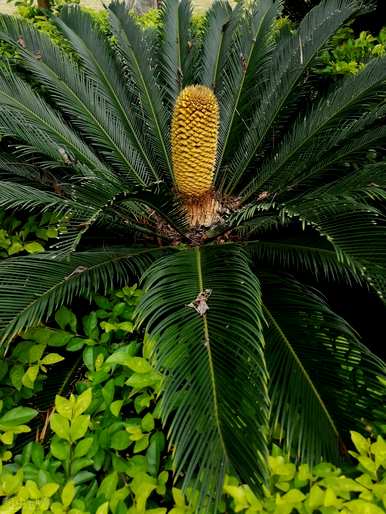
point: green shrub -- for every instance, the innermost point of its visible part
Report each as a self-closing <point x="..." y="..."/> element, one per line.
<point x="349" y="54"/>
<point x="31" y="235"/>
<point x="107" y="451"/>
<point x="99" y="17"/>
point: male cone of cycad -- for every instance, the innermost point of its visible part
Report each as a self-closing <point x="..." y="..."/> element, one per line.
<point x="194" y="140"/>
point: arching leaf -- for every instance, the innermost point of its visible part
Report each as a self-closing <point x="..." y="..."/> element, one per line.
<point x="203" y="308"/>
<point x="323" y="380"/>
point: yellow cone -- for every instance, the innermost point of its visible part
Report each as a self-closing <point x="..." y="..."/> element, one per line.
<point x="194" y="140"/>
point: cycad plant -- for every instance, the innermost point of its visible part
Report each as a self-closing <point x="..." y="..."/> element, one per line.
<point x="211" y="167"/>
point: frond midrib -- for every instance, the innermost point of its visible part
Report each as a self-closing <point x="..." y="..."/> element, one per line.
<point x="149" y="100"/>
<point x="237" y="99"/>
<point x="210" y="358"/>
<point x="302" y="368"/>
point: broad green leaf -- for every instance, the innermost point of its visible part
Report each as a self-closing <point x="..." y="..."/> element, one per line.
<point x="79" y="427"/>
<point x="369" y="465"/>
<point x="61" y="426"/>
<point x="363" y="507"/>
<point x="60" y="449"/>
<point x="379" y="451"/>
<point x="37" y="454"/>
<point x="64" y="317"/>
<point x="115" y="407"/>
<point x="52" y="358"/>
<point x="11" y="506"/>
<point x="78" y="464"/>
<point x="278" y="466"/>
<point x="83" y="402"/>
<point x="108" y="391"/>
<point x="16" y="247"/>
<point x="83" y="447"/>
<point x="293" y="496"/>
<point x="142" y="486"/>
<point x="108" y="485"/>
<point x="35" y="353"/>
<point x="48" y="490"/>
<point x="238" y="495"/>
<point x="90" y="325"/>
<point x="121" y="356"/>
<point x="316" y="497"/>
<point x="147" y="422"/>
<point x="141" y="402"/>
<point x="153" y="453"/>
<point x="141" y="444"/>
<point x="18" y="416"/>
<point x="76" y="344"/>
<point x="138" y="364"/>
<point x="142" y="380"/>
<point x="30" y="376"/>
<point x="65" y="406"/>
<point x="108" y="326"/>
<point x="103" y="509"/>
<point x="126" y="326"/>
<point x="48" y="336"/>
<point x="16" y="376"/>
<point x="120" y="440"/>
<point x="32" y="489"/>
<point x="34" y="247"/>
<point x="361" y="443"/>
<point x="68" y="493"/>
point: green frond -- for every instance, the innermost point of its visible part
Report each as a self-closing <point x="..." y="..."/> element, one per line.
<point x="102" y="66"/>
<point x="353" y="149"/>
<point x="221" y="24"/>
<point x="356" y="230"/>
<point x="299" y="255"/>
<point x="202" y="306"/>
<point x="317" y="129"/>
<point x="290" y="61"/>
<point x="75" y="94"/>
<point x="323" y="381"/>
<point x="246" y="64"/>
<point x="369" y="181"/>
<point x="175" y="53"/>
<point x="15" y="170"/>
<point x="33" y="287"/>
<point x="27" y="117"/>
<point x="20" y="196"/>
<point x="133" y="48"/>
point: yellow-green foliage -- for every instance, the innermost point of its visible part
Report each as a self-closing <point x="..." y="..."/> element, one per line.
<point x="194" y="140"/>
<point x="349" y="54"/>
